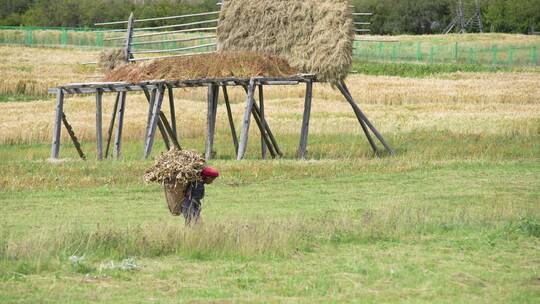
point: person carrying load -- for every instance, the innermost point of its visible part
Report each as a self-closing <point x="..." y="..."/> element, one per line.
<point x="191" y="206"/>
<point x="183" y="175"/>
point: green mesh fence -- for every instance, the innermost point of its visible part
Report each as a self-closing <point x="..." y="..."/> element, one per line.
<point x="40" y="36"/>
<point x="455" y="52"/>
<point x="407" y="51"/>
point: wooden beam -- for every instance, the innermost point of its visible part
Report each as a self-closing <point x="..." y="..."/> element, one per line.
<point x="149" y="141"/>
<point x="167" y="127"/>
<point x="120" y="126"/>
<point x="361" y="116"/>
<point x="246" y="121"/>
<point x="264" y="135"/>
<point x="211" y="119"/>
<point x="263" y="121"/>
<point x="92" y="87"/>
<point x="269" y="132"/>
<point x="129" y="39"/>
<point x="111" y="124"/>
<point x="256" y="111"/>
<point x="151" y="98"/>
<point x="231" y="120"/>
<point x="73" y="137"/>
<point x="57" y="129"/>
<point x="173" y="112"/>
<point x="372" y="143"/>
<point x="99" y="125"/>
<point x="302" y="149"/>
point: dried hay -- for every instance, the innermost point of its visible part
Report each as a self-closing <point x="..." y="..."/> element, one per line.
<point x="110" y="59"/>
<point x="314" y="36"/>
<point x="215" y="65"/>
<point x="176" y="167"/>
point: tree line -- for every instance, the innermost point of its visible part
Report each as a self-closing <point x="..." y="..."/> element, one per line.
<point x="432" y="16"/>
<point x="390" y="16"/>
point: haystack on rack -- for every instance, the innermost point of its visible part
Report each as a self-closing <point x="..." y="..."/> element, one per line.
<point x="314" y="36"/>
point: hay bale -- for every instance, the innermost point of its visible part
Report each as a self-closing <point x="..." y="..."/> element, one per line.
<point x="314" y="36"/>
<point x="110" y="59"/>
<point x="215" y="65"/>
<point x="176" y="167"/>
<point x="175" y="170"/>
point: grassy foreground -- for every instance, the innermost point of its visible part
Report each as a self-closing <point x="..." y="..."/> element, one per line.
<point x="438" y="228"/>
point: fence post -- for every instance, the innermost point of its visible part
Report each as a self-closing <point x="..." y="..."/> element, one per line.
<point x="533" y="56"/>
<point x="494" y="54"/>
<point x="394" y="53"/>
<point x="418" y="51"/>
<point x="99" y="39"/>
<point x="510" y="56"/>
<point x="29" y="36"/>
<point x="64" y="37"/>
<point x="456" y="52"/>
<point x="381" y="51"/>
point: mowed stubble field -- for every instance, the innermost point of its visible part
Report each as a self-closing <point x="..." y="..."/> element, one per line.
<point x="453" y="217"/>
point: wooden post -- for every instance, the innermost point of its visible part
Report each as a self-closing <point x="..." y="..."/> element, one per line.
<point x="256" y="111"/>
<point x="120" y="126"/>
<point x="57" y="129"/>
<point x="99" y="125"/>
<point x="268" y="131"/>
<point x="372" y="143"/>
<point x="264" y="135"/>
<point x="129" y="38"/>
<point x="211" y="119"/>
<point x="167" y="127"/>
<point x="263" y="121"/>
<point x="111" y="124"/>
<point x="231" y="120"/>
<point x="361" y="116"/>
<point x="173" y="112"/>
<point x="245" y="123"/>
<point x="149" y="141"/>
<point x="151" y="98"/>
<point x="302" y="148"/>
<point x="73" y="137"/>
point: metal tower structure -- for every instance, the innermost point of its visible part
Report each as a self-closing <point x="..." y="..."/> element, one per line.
<point x="461" y="24"/>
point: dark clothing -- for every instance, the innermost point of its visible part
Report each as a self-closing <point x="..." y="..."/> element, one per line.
<point x="191" y="206"/>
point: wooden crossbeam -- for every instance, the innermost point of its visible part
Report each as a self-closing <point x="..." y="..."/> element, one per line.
<point x="73" y="137"/>
<point x="363" y="118"/>
<point x="107" y="87"/>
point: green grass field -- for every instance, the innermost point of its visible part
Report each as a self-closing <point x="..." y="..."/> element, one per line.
<point x="453" y="217"/>
<point x="455" y="226"/>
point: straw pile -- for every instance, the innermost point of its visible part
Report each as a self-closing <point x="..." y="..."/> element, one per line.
<point x="215" y="65"/>
<point x="110" y="59"/>
<point x="176" y="167"/>
<point x="314" y="36"/>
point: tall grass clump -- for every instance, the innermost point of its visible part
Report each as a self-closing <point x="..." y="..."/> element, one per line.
<point x="255" y="238"/>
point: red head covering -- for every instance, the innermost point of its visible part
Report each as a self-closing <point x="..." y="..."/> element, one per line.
<point x="210" y="172"/>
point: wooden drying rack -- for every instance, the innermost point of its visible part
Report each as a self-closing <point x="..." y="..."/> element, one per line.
<point x="155" y="92"/>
